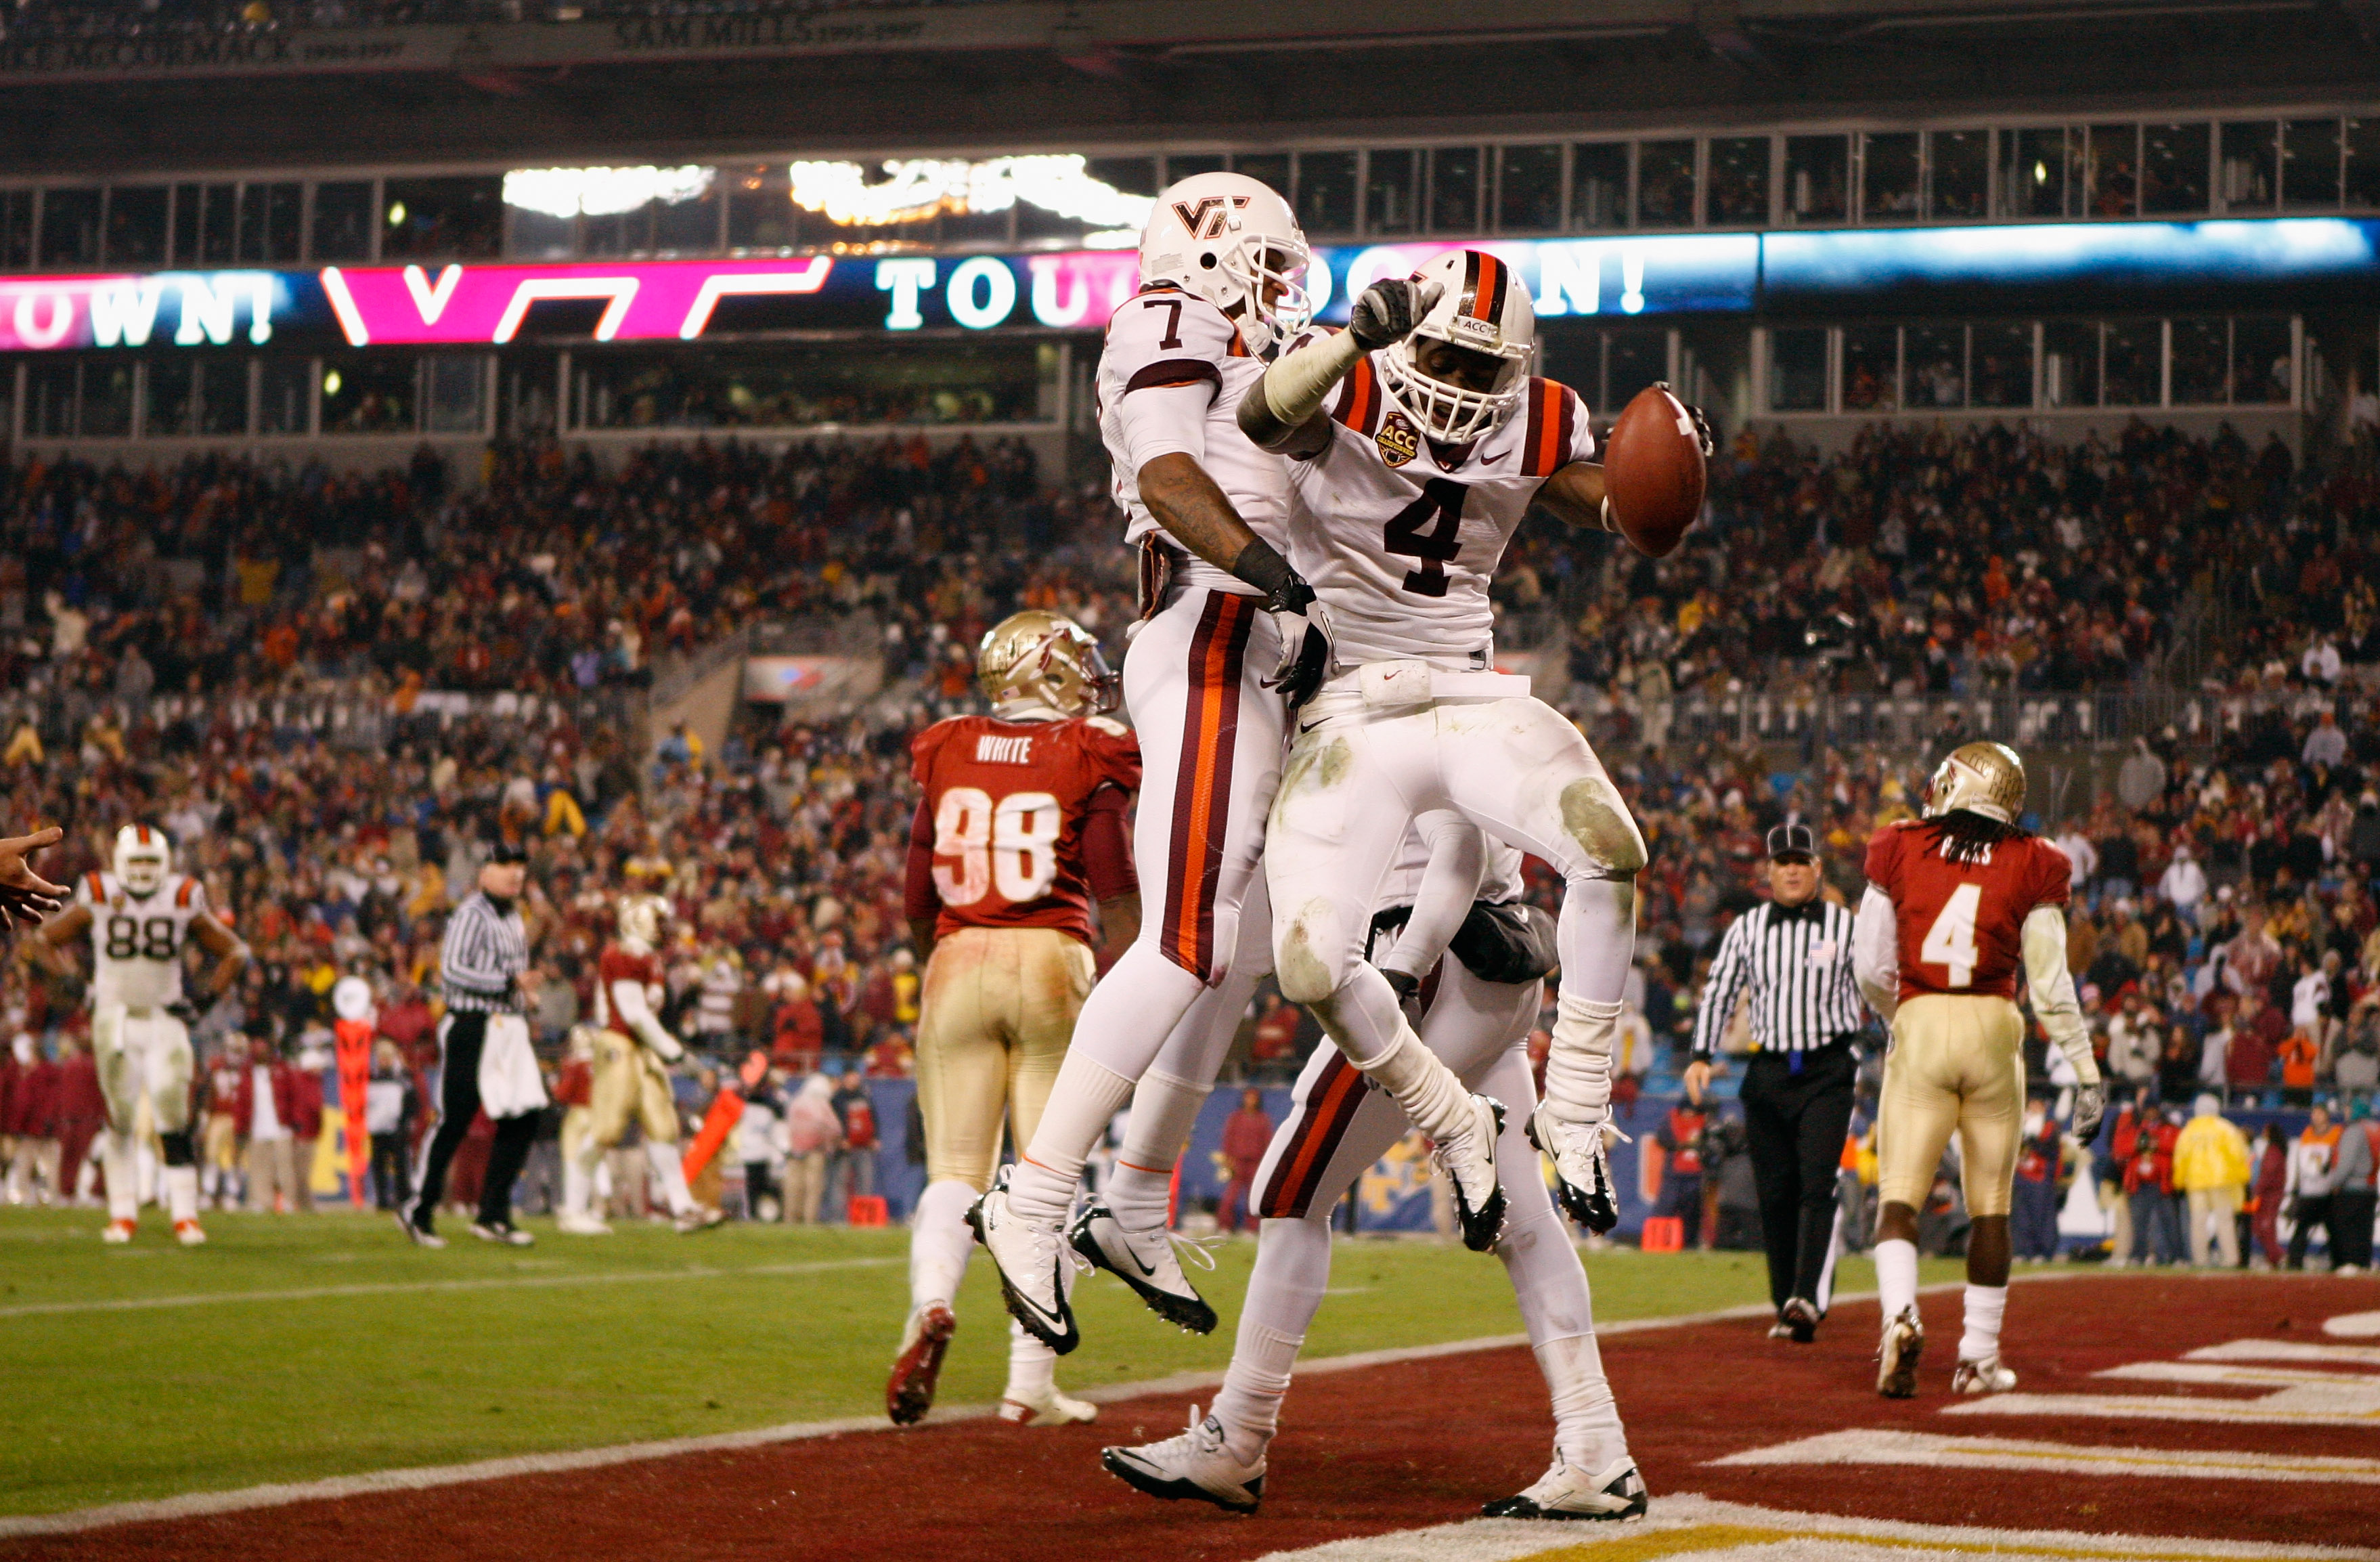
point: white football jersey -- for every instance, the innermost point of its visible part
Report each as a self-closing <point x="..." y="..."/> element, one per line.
<point x="1165" y="339"/>
<point x="1401" y="537"/>
<point x="136" y="941"/>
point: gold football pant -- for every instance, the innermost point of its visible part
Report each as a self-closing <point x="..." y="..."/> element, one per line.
<point x="1957" y="1063"/>
<point x="630" y="1085"/>
<point x="999" y="1009"/>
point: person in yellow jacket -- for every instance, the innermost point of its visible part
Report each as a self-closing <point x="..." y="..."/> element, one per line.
<point x="2210" y="1166"/>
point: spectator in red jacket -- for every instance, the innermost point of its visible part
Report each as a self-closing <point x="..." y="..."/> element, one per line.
<point x="264" y="1115"/>
<point x="1246" y="1133"/>
<point x="81" y="1112"/>
<point x="2148" y="1184"/>
<point x="31" y="1125"/>
<point x="2249" y="1065"/>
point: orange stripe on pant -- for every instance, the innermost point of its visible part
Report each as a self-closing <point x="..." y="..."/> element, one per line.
<point x="1202" y="793"/>
<point x="1313" y="1142"/>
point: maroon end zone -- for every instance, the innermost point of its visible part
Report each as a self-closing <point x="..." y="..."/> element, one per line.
<point x="1404" y="1445"/>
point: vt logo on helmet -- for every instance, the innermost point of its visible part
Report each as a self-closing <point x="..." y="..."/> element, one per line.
<point x="1465" y="367"/>
<point x="1235" y="243"/>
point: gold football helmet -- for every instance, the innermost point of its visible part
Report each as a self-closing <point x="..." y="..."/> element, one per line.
<point x="1045" y="658"/>
<point x="1985" y="778"/>
<point x="641" y="917"/>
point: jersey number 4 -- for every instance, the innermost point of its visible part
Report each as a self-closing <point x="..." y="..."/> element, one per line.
<point x="1951" y="940"/>
<point x="1440" y="507"/>
<point x="130" y="939"/>
<point x="1011" y="846"/>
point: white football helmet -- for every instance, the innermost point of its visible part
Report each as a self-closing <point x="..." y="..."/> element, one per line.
<point x="1485" y="309"/>
<point x="142" y="859"/>
<point x="1235" y="243"/>
<point x="640" y="923"/>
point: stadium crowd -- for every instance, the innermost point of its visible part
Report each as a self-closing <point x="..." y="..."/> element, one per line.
<point x="2224" y="929"/>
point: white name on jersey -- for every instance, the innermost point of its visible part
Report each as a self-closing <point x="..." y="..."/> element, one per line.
<point x="1003" y="751"/>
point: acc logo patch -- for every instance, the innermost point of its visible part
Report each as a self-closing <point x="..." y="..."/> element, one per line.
<point x="1397" y="440"/>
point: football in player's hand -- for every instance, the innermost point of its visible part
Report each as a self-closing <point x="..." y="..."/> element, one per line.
<point x="1653" y="471"/>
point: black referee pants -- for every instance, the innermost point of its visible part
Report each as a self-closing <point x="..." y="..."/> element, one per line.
<point x="461" y="1038"/>
<point x="1795" y="1120"/>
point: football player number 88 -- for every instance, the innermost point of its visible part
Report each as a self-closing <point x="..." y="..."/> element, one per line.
<point x="1011" y="845"/>
<point x="129" y="938"/>
<point x="1951" y="940"/>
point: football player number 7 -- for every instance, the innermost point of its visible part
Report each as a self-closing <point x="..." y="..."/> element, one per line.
<point x="1951" y="940"/>
<point x="1011" y="846"/>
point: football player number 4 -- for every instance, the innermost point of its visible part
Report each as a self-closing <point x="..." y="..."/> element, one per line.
<point x="980" y="846"/>
<point x="1441" y="509"/>
<point x="1951" y="940"/>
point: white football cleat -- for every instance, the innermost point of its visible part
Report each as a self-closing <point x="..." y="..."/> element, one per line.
<point x="702" y="1219"/>
<point x="1896" y="1356"/>
<point x="1031" y="1260"/>
<point x="570" y="1223"/>
<point x="1197" y="1464"/>
<point x="1146" y="1262"/>
<point x="1469" y="1163"/>
<point x="1567" y="1491"/>
<point x="1580" y="1152"/>
<point x="117" y="1231"/>
<point x="1986" y="1376"/>
<point x="190" y="1233"/>
<point x="1047" y="1407"/>
<point x="909" y="1393"/>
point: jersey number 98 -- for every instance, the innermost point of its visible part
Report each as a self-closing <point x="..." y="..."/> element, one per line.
<point x="130" y="939"/>
<point x="1011" y="846"/>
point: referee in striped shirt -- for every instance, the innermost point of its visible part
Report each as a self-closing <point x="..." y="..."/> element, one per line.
<point x="484" y="970"/>
<point x="1792" y="955"/>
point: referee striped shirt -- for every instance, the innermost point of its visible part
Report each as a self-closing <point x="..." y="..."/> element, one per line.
<point x="485" y="952"/>
<point x="1798" y="964"/>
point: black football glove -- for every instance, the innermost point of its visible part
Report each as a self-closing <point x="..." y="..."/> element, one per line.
<point x="1702" y="425"/>
<point x="1389" y="310"/>
<point x="1305" y="642"/>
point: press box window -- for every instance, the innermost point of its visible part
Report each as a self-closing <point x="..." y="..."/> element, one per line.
<point x="1797" y="371"/>
<point x="370" y="393"/>
<point x="1959" y="169"/>
<point x="1737" y="193"/>
<point x="1528" y="189"/>
<point x="442" y="219"/>
<point x="1326" y="192"/>
<point x="1817" y="180"/>
<point x="1891" y="176"/>
<point x="1665" y="184"/>
<point x="1599" y="186"/>
<point x="342" y="221"/>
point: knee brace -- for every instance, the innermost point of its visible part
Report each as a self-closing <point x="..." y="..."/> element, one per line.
<point x="177" y="1148"/>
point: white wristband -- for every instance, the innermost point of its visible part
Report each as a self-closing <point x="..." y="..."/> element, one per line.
<point x="1295" y="388"/>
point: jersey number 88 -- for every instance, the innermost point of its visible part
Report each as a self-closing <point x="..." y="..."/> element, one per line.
<point x="129" y="939"/>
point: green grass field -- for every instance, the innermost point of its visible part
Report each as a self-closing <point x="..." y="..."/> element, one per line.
<point x="292" y="1348"/>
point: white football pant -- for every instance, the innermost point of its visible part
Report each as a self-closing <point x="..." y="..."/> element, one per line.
<point x="1336" y="1130"/>
<point x="145" y="1055"/>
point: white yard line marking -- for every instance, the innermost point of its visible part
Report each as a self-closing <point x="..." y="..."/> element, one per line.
<point x="395" y="1288"/>
<point x="2015" y="1453"/>
<point x="2286" y="1407"/>
<point x="2288" y="1350"/>
<point x="1689" y="1526"/>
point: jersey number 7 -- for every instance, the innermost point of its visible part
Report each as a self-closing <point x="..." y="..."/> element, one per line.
<point x="1440" y="505"/>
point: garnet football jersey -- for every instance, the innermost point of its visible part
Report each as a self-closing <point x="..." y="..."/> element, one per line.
<point x="1401" y="537"/>
<point x="618" y="965"/>
<point x="1960" y="925"/>
<point x="1008" y="800"/>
